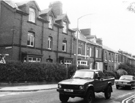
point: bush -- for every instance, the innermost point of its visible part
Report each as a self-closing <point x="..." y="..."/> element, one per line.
<point x="71" y="70"/>
<point x="32" y="72"/>
<point x="112" y="73"/>
<point x="130" y="69"/>
<point x="121" y="72"/>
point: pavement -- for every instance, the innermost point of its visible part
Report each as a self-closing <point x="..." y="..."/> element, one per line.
<point x="28" y="88"/>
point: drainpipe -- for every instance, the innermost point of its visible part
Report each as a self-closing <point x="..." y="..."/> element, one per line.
<point x="42" y="38"/>
<point x="57" y="45"/>
<point x="0" y="11"/>
<point x="13" y="32"/>
<point x="94" y="57"/>
<point x="71" y="45"/>
<point x="85" y="50"/>
<point x="20" y="38"/>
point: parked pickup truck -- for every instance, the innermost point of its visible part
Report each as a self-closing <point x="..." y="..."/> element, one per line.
<point x="85" y="83"/>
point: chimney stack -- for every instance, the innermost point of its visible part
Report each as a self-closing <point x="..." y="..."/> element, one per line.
<point x="56" y="7"/>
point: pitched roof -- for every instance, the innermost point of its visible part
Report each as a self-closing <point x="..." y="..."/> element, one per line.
<point x="91" y="36"/>
<point x="10" y="3"/>
<point x="60" y="17"/>
<point x="109" y="49"/>
<point x="22" y="3"/>
<point x="83" y="38"/>
<point x="45" y="11"/>
<point x="27" y="1"/>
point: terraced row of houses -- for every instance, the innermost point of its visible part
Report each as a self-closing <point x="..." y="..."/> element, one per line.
<point x="29" y="34"/>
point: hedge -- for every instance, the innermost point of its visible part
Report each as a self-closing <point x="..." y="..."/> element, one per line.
<point x="46" y="72"/>
<point x="32" y="72"/>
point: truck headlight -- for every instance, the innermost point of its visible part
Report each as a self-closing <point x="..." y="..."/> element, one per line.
<point x="81" y="87"/>
<point x="59" y="86"/>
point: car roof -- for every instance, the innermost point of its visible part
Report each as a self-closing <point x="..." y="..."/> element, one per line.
<point x="127" y="75"/>
<point x="89" y="70"/>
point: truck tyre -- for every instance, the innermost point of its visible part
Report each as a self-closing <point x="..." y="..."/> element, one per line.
<point x="63" y="98"/>
<point x="117" y="86"/>
<point x="108" y="91"/>
<point x="130" y="87"/>
<point x="89" y="96"/>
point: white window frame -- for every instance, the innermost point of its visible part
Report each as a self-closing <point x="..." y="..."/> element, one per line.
<point x="80" y="49"/>
<point x="37" y="59"/>
<point x="50" y="22"/>
<point x="96" y="53"/>
<point x="32" y="15"/>
<point x="90" y="52"/>
<point x="64" y="27"/>
<point x="64" y="44"/>
<point x="67" y="62"/>
<point x="49" y="42"/>
<point x="105" y="56"/>
<point x="30" y="38"/>
<point x="83" y="62"/>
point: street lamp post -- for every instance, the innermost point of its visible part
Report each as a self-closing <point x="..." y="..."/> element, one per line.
<point x="77" y="37"/>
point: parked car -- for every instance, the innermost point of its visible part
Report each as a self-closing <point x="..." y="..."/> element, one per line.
<point x="85" y="83"/>
<point x="125" y="81"/>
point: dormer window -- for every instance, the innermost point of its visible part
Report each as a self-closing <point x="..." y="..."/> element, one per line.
<point x="64" y="27"/>
<point x="32" y="15"/>
<point x="50" y="22"/>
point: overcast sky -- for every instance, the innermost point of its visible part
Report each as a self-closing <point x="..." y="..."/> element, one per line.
<point x="108" y="19"/>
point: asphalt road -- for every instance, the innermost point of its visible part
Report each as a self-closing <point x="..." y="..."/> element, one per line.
<point x="52" y="96"/>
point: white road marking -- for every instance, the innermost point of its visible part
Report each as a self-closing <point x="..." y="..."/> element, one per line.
<point x="8" y="94"/>
<point x="127" y="99"/>
<point x="121" y="96"/>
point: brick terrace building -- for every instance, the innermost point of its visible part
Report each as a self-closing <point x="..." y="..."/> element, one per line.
<point x="29" y="34"/>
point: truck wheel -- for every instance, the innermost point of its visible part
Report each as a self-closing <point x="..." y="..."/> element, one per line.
<point x="107" y="92"/>
<point x="130" y="87"/>
<point x="63" y="98"/>
<point x="89" y="96"/>
<point x="117" y="86"/>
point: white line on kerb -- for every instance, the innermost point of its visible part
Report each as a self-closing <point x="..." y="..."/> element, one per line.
<point x="128" y="98"/>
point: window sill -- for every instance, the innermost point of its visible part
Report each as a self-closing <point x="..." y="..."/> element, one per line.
<point x="50" y="28"/>
<point x="63" y="51"/>
<point x="31" y="22"/>
<point x="65" y="33"/>
<point x="49" y="48"/>
<point x="30" y="46"/>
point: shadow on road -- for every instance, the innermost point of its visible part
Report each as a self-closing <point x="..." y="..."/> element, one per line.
<point x="98" y="99"/>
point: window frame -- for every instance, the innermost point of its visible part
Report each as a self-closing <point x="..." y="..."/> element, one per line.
<point x="80" y="49"/>
<point x="64" y="43"/>
<point x="90" y="52"/>
<point x="50" y="24"/>
<point x="97" y="52"/>
<point x="50" y="42"/>
<point x="30" y="36"/>
<point x="64" y="27"/>
<point x="32" y="15"/>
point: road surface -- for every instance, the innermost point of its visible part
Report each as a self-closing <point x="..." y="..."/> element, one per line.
<point x="52" y="96"/>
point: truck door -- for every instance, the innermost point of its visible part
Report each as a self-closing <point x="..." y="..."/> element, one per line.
<point x="97" y="82"/>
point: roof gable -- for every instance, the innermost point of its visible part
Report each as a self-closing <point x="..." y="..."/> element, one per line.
<point x="47" y="12"/>
<point x="63" y="17"/>
<point x="31" y="3"/>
